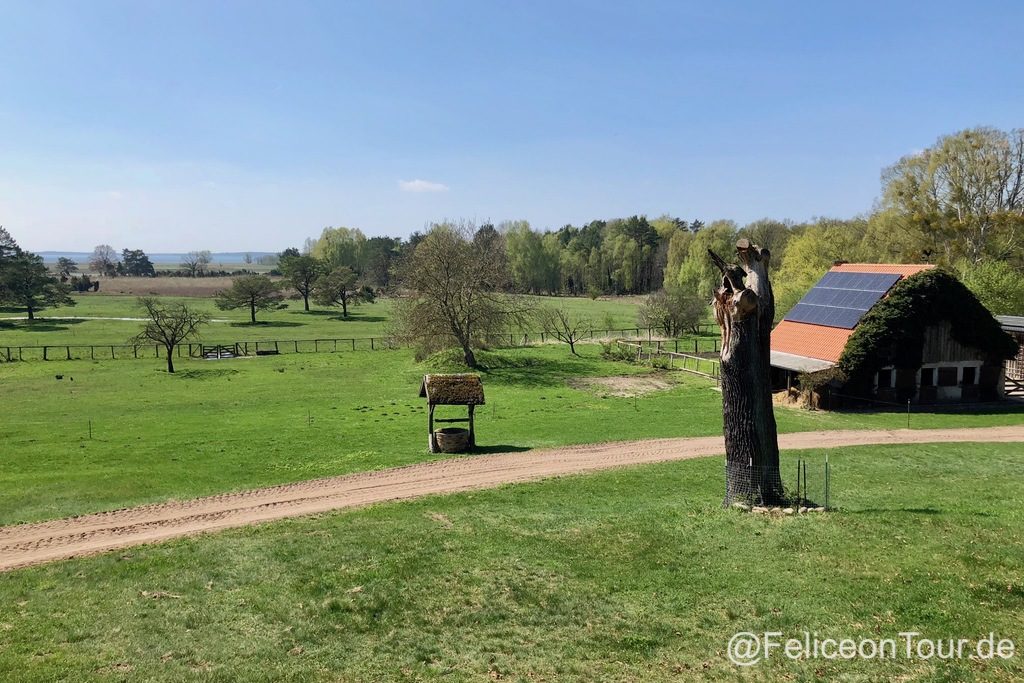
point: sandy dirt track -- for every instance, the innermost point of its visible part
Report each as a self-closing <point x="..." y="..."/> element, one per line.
<point x="28" y="544"/>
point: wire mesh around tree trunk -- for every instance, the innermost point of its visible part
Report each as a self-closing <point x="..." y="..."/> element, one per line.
<point x="803" y="483"/>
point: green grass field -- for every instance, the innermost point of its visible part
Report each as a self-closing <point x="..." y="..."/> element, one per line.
<point x="368" y="320"/>
<point x="630" y="575"/>
<point x="235" y="424"/>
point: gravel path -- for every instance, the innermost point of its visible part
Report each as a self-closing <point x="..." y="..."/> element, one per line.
<point x="28" y="544"/>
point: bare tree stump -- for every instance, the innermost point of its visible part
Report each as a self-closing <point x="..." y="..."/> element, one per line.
<point x="745" y="309"/>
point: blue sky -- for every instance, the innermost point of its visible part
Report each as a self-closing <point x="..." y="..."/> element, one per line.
<point x="172" y="126"/>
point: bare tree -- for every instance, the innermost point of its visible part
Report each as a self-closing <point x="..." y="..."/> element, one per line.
<point x="745" y="308"/>
<point x="450" y="292"/>
<point x="565" y="326"/>
<point x="104" y="260"/>
<point x="196" y="262"/>
<point x="169" y="325"/>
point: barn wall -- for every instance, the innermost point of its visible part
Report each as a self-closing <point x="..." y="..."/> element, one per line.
<point x="940" y="347"/>
<point x="949" y="364"/>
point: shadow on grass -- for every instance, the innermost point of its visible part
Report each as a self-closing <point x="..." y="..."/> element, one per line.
<point x="205" y="373"/>
<point x="268" y="323"/>
<point x="41" y="325"/>
<point x="353" y="316"/>
<point x="516" y="369"/>
<point x="505" y="448"/>
<point x="910" y="511"/>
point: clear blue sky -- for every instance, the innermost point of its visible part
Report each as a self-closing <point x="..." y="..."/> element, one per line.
<point x="171" y="126"/>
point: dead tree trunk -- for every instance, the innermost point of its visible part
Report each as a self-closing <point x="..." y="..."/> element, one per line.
<point x="744" y="309"/>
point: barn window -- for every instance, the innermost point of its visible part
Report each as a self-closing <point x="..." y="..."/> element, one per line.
<point x="927" y="377"/>
<point x="970" y="375"/>
<point x="947" y="377"/>
<point x="885" y="379"/>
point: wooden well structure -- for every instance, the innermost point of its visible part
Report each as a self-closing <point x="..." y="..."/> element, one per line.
<point x="452" y="390"/>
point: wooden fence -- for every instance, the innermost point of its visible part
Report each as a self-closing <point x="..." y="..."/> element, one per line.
<point x="697" y="365"/>
<point x="50" y="352"/>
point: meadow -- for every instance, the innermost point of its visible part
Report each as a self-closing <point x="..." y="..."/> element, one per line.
<point x="627" y="575"/>
<point x="71" y="324"/>
<point x="633" y="574"/>
<point x="234" y="424"/>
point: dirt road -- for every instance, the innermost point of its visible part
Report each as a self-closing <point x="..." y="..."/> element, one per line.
<point x="28" y="544"/>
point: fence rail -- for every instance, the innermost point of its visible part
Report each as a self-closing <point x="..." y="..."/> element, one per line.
<point x="697" y="365"/>
<point x="53" y="352"/>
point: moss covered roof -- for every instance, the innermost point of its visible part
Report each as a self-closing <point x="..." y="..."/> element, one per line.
<point x="452" y="390"/>
<point x="893" y="331"/>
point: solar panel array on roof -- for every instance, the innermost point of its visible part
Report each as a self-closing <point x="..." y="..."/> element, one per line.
<point x="842" y="299"/>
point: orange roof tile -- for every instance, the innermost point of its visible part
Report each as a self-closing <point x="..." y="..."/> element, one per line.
<point x="827" y="343"/>
<point x="901" y="269"/>
<point x="813" y="341"/>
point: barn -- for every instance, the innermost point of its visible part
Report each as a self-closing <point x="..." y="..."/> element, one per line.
<point x="891" y="333"/>
<point x="1013" y="325"/>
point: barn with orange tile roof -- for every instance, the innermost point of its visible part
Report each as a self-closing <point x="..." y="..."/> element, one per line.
<point x="815" y="332"/>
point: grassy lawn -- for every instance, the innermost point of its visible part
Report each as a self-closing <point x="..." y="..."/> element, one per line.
<point x="368" y="320"/>
<point x="631" y="575"/>
<point x="234" y="424"/>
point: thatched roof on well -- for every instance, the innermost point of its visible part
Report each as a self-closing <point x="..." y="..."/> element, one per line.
<point x="452" y="390"/>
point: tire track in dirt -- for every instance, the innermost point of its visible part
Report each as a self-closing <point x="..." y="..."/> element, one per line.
<point x="36" y="543"/>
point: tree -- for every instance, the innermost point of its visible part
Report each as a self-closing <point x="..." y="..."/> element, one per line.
<point x="340" y="288"/>
<point x="673" y="310"/>
<point x="104" y="260"/>
<point x="745" y="308"/>
<point x="255" y="292"/>
<point x="811" y="252"/>
<point x="301" y="272"/>
<point x="169" y="325"/>
<point x="381" y="255"/>
<point x="452" y="292"/>
<point x="196" y="262"/>
<point x="341" y="247"/>
<point x="25" y="282"/>
<point x="8" y="247"/>
<point x="565" y="326"/>
<point x="998" y="285"/>
<point x="136" y="263"/>
<point x="65" y="267"/>
<point x="962" y="197"/>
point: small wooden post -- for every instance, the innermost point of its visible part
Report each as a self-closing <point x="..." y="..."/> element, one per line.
<point x="472" y="432"/>
<point x="44" y="353"/>
<point x="430" y="428"/>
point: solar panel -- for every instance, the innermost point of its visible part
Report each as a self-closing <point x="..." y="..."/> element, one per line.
<point x="841" y="299"/>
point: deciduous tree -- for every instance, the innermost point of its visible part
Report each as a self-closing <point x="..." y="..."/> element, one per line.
<point x="564" y="325"/>
<point x="255" y="292"/>
<point x="451" y="292"/>
<point x="301" y="272"/>
<point x="196" y="262"/>
<point x="169" y="325"/>
<point x="26" y="282"/>
<point x="340" y="287"/>
<point x="104" y="260"/>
